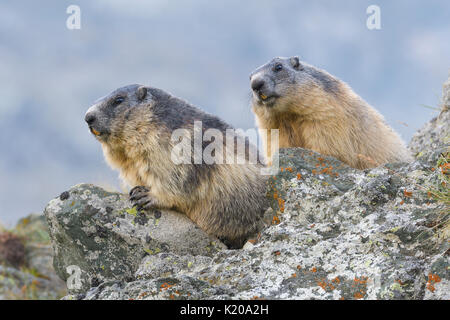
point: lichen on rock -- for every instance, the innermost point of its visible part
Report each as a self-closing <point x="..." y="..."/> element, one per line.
<point x="333" y="232"/>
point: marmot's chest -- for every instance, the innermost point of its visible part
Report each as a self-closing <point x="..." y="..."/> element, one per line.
<point x="290" y="133"/>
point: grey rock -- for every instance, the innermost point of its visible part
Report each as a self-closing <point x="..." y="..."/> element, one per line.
<point x="356" y="235"/>
<point x="98" y="237"/>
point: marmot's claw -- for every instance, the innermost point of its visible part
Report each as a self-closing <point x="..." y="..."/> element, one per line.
<point x="141" y="198"/>
<point x="149" y="205"/>
<point x="145" y="204"/>
<point x="138" y="192"/>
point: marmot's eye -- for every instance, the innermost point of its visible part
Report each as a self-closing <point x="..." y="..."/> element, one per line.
<point x="118" y="100"/>
<point x="278" y="67"/>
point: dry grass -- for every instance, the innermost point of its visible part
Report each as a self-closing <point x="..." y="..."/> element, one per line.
<point x="441" y="193"/>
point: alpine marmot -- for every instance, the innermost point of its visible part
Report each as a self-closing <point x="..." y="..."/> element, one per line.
<point x="316" y="111"/>
<point x="135" y="126"/>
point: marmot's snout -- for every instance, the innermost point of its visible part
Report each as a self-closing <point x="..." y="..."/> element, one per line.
<point x="91" y="120"/>
<point x="263" y="89"/>
<point x="257" y="85"/>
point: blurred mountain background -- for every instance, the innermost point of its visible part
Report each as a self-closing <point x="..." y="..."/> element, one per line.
<point x="202" y="51"/>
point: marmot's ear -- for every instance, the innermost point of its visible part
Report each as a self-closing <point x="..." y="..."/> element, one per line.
<point x="141" y="93"/>
<point x="295" y="62"/>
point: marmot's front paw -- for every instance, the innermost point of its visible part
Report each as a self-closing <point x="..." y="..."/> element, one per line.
<point x="141" y="198"/>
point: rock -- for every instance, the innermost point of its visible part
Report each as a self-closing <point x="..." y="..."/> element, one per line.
<point x="336" y="233"/>
<point x="104" y="238"/>
<point x="32" y="276"/>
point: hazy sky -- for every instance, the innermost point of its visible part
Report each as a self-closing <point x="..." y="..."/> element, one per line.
<point x="202" y="51"/>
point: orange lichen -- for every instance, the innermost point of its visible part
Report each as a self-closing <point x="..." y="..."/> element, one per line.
<point x="143" y="295"/>
<point x="325" y="170"/>
<point x="407" y="194"/>
<point x="325" y="285"/>
<point x="165" y="286"/>
<point x="275" y="220"/>
<point x="281" y="204"/>
<point x="434" y="277"/>
<point x="430" y="287"/>
<point x="445" y="168"/>
<point x="299" y="176"/>
<point x="314" y="269"/>
<point x="362" y="280"/>
<point x="322" y="284"/>
<point x="336" y="280"/>
<point x="358" y="295"/>
<point x="432" y="280"/>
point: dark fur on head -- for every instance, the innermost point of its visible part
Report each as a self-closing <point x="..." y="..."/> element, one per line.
<point x="273" y="82"/>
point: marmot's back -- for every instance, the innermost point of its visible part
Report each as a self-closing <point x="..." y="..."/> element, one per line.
<point x="314" y="110"/>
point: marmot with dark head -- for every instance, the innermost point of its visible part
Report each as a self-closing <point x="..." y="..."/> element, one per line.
<point x="134" y="125"/>
<point x="316" y="111"/>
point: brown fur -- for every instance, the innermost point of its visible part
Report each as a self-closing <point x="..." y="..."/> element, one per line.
<point x="333" y="122"/>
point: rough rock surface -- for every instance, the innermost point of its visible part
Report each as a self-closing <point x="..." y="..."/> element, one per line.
<point x="34" y="277"/>
<point x="102" y="235"/>
<point x="333" y="233"/>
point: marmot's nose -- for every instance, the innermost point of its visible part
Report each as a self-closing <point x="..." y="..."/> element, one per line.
<point x="90" y="118"/>
<point x="257" y="84"/>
